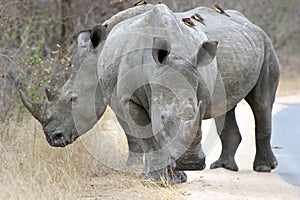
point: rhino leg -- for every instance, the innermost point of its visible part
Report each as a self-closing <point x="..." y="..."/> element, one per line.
<point x="167" y="175"/>
<point x="155" y="160"/>
<point x="139" y="132"/>
<point x="157" y="164"/>
<point x="265" y="160"/>
<point x="261" y="100"/>
<point x="136" y="153"/>
<point x="230" y="138"/>
<point x="177" y="176"/>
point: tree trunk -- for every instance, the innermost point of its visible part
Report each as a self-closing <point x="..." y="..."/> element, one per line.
<point x="65" y="21"/>
<point x="18" y="23"/>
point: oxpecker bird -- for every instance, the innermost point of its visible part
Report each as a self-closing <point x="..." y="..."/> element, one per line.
<point x="198" y="18"/>
<point x="139" y="3"/>
<point x="220" y="10"/>
<point x="188" y="22"/>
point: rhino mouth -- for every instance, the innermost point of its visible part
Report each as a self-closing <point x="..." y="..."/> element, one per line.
<point x="75" y="137"/>
<point x="58" y="138"/>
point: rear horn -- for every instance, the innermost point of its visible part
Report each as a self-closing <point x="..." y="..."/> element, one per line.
<point x="51" y="93"/>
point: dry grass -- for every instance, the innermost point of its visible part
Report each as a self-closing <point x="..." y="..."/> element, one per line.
<point x="290" y="75"/>
<point x="289" y="85"/>
<point x="31" y="169"/>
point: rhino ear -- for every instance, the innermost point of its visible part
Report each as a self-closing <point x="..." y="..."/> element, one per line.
<point x="83" y="39"/>
<point x="98" y="34"/>
<point x="160" y="50"/>
<point x="206" y="53"/>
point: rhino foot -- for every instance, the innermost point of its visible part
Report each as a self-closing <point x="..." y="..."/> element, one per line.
<point x="178" y="177"/>
<point x="166" y="176"/>
<point x="134" y="159"/>
<point x="223" y="163"/>
<point x="265" y="165"/>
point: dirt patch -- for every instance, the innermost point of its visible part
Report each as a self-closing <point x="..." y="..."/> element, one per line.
<point x="223" y="184"/>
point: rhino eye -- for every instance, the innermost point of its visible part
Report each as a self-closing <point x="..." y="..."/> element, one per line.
<point x="73" y="98"/>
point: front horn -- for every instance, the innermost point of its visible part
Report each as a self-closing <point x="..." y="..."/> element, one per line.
<point x="192" y="127"/>
<point x="37" y="109"/>
<point x="196" y="123"/>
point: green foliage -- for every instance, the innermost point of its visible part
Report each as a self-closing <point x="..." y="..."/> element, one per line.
<point x="40" y="70"/>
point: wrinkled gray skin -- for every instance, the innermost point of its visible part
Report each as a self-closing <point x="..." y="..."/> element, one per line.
<point x="166" y="60"/>
<point x="161" y="78"/>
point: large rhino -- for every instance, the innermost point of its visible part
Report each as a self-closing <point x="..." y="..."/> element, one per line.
<point x="162" y="76"/>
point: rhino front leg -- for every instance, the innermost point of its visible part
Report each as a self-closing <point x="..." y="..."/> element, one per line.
<point x="157" y="161"/>
<point x="138" y="129"/>
<point x="159" y="166"/>
<point x="136" y="153"/>
<point x="230" y="138"/>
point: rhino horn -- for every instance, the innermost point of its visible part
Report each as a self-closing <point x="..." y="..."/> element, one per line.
<point x="52" y="93"/>
<point x="192" y="128"/>
<point x="35" y="108"/>
<point x="196" y="123"/>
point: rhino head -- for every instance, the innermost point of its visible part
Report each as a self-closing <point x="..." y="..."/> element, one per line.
<point x="77" y="106"/>
<point x="177" y="109"/>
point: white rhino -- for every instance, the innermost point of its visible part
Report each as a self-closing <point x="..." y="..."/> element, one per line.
<point x="162" y="77"/>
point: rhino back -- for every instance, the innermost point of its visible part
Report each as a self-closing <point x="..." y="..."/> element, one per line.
<point x="240" y="55"/>
<point x="129" y="46"/>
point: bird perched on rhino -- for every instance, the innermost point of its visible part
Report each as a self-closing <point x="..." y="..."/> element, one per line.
<point x="188" y="22"/>
<point x="198" y="18"/>
<point x="220" y="10"/>
<point x="140" y="3"/>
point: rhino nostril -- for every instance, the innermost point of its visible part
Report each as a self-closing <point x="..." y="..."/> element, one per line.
<point x="163" y="118"/>
<point x="58" y="136"/>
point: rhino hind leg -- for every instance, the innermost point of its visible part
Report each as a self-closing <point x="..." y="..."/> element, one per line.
<point x="261" y="100"/>
<point x="265" y="160"/>
<point x="230" y="138"/>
